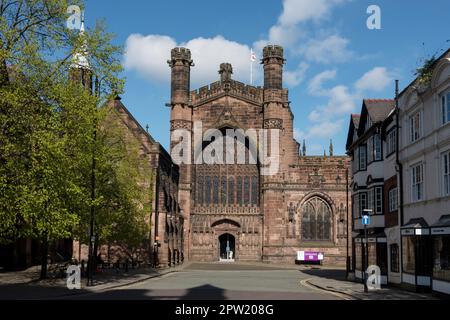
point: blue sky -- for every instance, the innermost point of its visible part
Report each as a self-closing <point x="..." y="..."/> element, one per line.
<point x="333" y="59"/>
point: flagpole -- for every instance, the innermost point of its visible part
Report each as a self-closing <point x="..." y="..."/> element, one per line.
<point x="251" y="67"/>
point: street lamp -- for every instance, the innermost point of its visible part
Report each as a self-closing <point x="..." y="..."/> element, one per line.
<point x="92" y="260"/>
<point x="368" y="212"/>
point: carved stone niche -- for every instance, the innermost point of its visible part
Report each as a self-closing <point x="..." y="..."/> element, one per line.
<point x="315" y="180"/>
<point x="273" y="123"/>
<point x="180" y="124"/>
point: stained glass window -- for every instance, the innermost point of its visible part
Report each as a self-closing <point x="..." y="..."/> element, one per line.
<point x="316" y="220"/>
<point x="223" y="191"/>
<point x="246" y="191"/>
<point x="239" y="191"/>
<point x="200" y="190"/>
<point x="255" y="190"/>
<point x="231" y="191"/>
<point x="216" y="190"/>
<point x="207" y="190"/>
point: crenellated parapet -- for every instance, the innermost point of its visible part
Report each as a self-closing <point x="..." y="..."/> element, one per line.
<point x="180" y="64"/>
<point x="230" y="87"/>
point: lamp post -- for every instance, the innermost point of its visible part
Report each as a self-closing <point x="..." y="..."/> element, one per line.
<point x="368" y="212"/>
<point x="92" y="255"/>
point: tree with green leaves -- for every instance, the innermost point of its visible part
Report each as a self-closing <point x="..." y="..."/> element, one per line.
<point x="47" y="126"/>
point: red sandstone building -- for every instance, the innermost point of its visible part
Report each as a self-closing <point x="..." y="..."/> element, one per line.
<point x="259" y="217"/>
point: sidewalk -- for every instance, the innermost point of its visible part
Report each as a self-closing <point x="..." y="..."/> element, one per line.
<point x="355" y="291"/>
<point x="24" y="285"/>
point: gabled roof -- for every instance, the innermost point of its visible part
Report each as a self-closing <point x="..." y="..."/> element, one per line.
<point x="355" y="119"/>
<point x="377" y="109"/>
<point x="354" y="124"/>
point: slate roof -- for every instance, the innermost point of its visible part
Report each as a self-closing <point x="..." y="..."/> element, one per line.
<point x="379" y="109"/>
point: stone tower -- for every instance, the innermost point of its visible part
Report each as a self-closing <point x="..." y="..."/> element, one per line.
<point x="277" y="113"/>
<point x="181" y="118"/>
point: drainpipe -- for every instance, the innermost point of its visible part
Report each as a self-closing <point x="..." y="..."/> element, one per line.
<point x="399" y="172"/>
<point x="346" y="227"/>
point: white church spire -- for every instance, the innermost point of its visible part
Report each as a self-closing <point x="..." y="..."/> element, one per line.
<point x="79" y="59"/>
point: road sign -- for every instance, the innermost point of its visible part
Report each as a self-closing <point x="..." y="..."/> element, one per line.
<point x="365" y="220"/>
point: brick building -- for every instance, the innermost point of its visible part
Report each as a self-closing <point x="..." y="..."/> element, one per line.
<point x="258" y="217"/>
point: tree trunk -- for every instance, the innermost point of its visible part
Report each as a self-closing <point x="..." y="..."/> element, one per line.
<point x="4" y="77"/>
<point x="44" y="249"/>
<point x="95" y="260"/>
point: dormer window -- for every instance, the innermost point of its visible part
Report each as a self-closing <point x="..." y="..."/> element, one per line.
<point x="368" y="123"/>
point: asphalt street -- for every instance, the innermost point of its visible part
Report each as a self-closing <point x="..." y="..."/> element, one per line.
<point x="218" y="282"/>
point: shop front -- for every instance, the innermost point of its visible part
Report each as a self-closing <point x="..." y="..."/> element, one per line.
<point x="376" y="252"/>
<point x="416" y="255"/>
<point x="440" y="234"/>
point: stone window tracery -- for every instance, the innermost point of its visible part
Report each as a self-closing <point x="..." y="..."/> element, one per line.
<point x="316" y="220"/>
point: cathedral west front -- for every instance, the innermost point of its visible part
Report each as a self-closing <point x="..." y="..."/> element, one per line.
<point x="235" y="206"/>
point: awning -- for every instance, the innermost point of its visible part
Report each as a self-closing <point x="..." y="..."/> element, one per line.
<point x="379" y="237"/>
<point x="416" y="227"/>
<point x="442" y="226"/>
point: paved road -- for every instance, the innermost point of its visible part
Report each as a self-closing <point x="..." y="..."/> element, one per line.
<point x="221" y="281"/>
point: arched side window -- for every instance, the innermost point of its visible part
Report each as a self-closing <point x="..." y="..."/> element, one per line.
<point x="254" y="190"/>
<point x="316" y="220"/>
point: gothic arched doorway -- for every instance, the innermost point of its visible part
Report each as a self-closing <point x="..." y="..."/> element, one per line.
<point x="227" y="245"/>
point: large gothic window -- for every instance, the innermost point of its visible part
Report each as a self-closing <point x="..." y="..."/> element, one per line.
<point x="231" y="191"/>
<point x="239" y="191"/>
<point x="254" y="190"/>
<point x="246" y="191"/>
<point x="227" y="184"/>
<point x="223" y="191"/>
<point x="207" y="190"/>
<point x="200" y="190"/>
<point x="216" y="190"/>
<point x="316" y="220"/>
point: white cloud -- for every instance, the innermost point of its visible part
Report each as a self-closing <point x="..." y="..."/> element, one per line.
<point x="325" y="129"/>
<point x="327" y="50"/>
<point x="290" y="27"/>
<point x="286" y="36"/>
<point x="341" y="100"/>
<point x="376" y="79"/>
<point x="314" y="116"/>
<point x="299" y="135"/>
<point x="294" y="78"/>
<point x="315" y="85"/>
<point x="297" y="11"/>
<point x="148" y="56"/>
